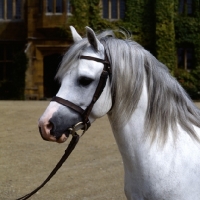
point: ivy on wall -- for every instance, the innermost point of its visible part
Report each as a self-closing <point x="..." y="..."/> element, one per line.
<point x="187" y="34"/>
<point x="145" y="20"/>
<point x="88" y="13"/>
<point x="156" y="25"/>
<point x="135" y="21"/>
<point x="165" y="33"/>
<point x="80" y="14"/>
<point x="140" y="21"/>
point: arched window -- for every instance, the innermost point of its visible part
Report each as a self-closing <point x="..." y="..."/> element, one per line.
<point x="113" y="9"/>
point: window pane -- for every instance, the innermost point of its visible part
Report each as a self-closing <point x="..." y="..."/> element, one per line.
<point x="105" y="9"/>
<point x="189" y="58"/>
<point x="1" y="9"/>
<point x="181" y="58"/>
<point x="189" y="7"/>
<point x="9" y="9"/>
<point x="59" y="6"/>
<point x="114" y="9"/>
<point x="18" y="9"/>
<point x="49" y="6"/>
<point x="122" y="9"/>
<point x="69" y="8"/>
<point x="181" y="6"/>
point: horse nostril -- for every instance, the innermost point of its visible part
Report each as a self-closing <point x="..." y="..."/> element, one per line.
<point x="53" y="129"/>
<point x="50" y="126"/>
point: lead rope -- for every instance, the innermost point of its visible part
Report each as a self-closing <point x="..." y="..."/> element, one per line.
<point x="68" y="151"/>
<point x="85" y="113"/>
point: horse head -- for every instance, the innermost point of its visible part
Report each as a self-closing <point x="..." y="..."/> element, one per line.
<point x="79" y="74"/>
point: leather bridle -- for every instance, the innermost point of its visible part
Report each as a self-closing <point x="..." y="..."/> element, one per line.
<point x="84" y="124"/>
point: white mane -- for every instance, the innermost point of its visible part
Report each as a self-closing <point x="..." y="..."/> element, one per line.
<point x="168" y="105"/>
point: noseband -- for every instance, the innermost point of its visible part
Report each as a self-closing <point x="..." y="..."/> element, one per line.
<point x="85" y="123"/>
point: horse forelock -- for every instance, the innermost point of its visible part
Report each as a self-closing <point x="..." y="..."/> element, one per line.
<point x="132" y="66"/>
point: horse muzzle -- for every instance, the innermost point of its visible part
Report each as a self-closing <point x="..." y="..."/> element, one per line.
<point x="57" y="135"/>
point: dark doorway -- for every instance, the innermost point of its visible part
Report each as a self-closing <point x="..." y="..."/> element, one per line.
<point x="51" y="64"/>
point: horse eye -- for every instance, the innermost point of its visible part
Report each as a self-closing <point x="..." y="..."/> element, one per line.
<point x="84" y="81"/>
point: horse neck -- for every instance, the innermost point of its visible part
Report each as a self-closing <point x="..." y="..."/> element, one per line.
<point x="130" y="136"/>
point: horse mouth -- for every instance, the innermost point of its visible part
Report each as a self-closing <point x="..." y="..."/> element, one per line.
<point x="59" y="137"/>
<point x="66" y="133"/>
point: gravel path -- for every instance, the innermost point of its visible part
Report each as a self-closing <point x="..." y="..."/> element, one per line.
<point x="94" y="171"/>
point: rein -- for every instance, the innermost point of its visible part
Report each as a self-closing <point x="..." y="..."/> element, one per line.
<point x="68" y="151"/>
<point x="85" y="124"/>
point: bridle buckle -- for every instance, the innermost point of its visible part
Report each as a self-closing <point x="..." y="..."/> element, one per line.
<point x="78" y="126"/>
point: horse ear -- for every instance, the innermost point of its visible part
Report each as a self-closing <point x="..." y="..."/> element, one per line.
<point x="94" y="42"/>
<point x="75" y="35"/>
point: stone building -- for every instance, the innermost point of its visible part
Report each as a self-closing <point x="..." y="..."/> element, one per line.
<point x="170" y="29"/>
<point x="34" y="26"/>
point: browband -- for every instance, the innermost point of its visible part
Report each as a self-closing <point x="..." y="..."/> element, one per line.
<point x="95" y="59"/>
